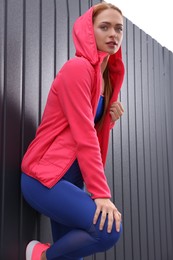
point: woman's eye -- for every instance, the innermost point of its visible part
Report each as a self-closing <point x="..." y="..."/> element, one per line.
<point x="104" y="28"/>
<point x="119" y="29"/>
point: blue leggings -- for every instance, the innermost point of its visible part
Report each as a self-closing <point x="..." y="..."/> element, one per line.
<point x="71" y="211"/>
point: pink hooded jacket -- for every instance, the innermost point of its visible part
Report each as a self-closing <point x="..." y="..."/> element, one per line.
<point x="67" y="129"/>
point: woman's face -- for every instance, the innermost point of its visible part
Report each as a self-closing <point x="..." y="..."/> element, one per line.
<point x="108" y="31"/>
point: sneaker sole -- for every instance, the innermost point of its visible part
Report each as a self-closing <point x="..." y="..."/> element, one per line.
<point x="29" y="249"/>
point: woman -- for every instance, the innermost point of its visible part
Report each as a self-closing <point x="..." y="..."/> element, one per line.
<point x="71" y="143"/>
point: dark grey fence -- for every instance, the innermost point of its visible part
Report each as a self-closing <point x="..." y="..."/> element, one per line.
<point x="35" y="41"/>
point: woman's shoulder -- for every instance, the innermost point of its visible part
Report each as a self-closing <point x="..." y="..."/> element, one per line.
<point x="78" y="64"/>
<point x="76" y="69"/>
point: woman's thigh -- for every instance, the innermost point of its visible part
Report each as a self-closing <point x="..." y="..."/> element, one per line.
<point x="64" y="203"/>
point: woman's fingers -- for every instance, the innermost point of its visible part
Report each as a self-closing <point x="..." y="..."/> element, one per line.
<point x="96" y="215"/>
<point x="110" y="221"/>
<point x="108" y="211"/>
<point x="103" y="218"/>
<point x="116" y="110"/>
<point x="117" y="216"/>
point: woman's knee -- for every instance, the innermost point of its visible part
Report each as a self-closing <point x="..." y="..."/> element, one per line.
<point x="107" y="240"/>
<point x="110" y="239"/>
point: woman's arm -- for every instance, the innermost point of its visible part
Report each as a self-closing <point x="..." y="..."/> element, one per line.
<point x="74" y="85"/>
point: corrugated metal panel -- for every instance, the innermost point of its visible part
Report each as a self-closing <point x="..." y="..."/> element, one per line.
<point x="35" y="41"/>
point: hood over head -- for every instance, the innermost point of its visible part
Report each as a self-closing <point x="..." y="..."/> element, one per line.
<point x="84" y="39"/>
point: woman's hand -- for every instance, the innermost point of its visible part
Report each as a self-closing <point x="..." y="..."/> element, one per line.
<point x="107" y="209"/>
<point x="116" y="111"/>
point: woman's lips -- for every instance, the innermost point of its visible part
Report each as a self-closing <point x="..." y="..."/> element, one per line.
<point x="111" y="44"/>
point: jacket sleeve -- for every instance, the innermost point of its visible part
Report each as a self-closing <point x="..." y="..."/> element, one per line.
<point x="74" y="85"/>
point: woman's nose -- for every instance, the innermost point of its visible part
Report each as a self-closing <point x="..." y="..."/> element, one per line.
<point x="113" y="33"/>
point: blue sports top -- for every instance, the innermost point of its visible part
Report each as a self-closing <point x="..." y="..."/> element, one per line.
<point x="100" y="109"/>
